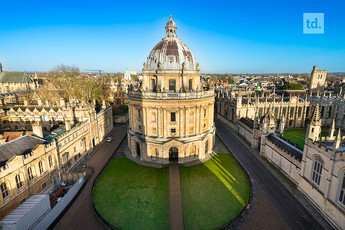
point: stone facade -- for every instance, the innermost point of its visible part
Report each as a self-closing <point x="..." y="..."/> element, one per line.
<point x="17" y="81"/>
<point x="23" y="116"/>
<point x="294" y="107"/>
<point x="170" y="113"/>
<point x="118" y="93"/>
<point x="48" y="161"/>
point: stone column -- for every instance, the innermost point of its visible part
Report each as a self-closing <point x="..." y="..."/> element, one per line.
<point x="164" y="126"/>
<point x="186" y="125"/>
<point x="144" y="120"/>
<point x="157" y="121"/>
<point x="198" y="118"/>
<point x="180" y="122"/>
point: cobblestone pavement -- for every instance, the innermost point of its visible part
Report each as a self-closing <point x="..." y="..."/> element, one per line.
<point x="276" y="205"/>
<point x="81" y="215"/>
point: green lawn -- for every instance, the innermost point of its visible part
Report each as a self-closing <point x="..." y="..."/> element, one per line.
<point x="297" y="136"/>
<point x="130" y="196"/>
<point x="213" y="192"/>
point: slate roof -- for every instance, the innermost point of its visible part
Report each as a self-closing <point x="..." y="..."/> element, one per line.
<point x="19" y="146"/>
<point x="297" y="153"/>
<point x="15" y="77"/>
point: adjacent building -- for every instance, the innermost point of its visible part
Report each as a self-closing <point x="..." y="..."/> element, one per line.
<point x="30" y="164"/>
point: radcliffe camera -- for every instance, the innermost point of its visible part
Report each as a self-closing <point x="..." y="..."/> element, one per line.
<point x="172" y="115"/>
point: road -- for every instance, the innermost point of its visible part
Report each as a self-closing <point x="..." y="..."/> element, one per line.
<point x="81" y="215"/>
<point x="290" y="209"/>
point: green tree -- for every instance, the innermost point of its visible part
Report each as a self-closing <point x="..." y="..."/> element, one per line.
<point x="293" y="86"/>
<point x="66" y="82"/>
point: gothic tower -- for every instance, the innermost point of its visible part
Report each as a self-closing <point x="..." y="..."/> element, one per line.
<point x="318" y="80"/>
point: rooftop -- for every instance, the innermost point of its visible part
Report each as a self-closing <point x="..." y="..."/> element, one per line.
<point x="15" y="77"/>
<point x="19" y="146"/>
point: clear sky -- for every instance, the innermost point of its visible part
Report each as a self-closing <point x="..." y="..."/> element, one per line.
<point x="225" y="36"/>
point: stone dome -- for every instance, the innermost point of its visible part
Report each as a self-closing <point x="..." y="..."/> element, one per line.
<point x="171" y="53"/>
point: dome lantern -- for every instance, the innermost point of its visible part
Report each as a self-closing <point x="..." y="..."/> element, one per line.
<point x="170" y="28"/>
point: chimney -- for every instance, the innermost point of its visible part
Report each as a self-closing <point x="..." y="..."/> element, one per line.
<point x="68" y="125"/>
<point x="104" y="104"/>
<point x="37" y="129"/>
<point x="2" y="140"/>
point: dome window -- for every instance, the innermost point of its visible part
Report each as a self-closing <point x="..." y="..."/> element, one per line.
<point x="172" y="85"/>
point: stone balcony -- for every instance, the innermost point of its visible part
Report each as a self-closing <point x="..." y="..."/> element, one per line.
<point x="170" y="95"/>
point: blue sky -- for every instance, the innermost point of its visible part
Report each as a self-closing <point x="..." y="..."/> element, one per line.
<point x="224" y="36"/>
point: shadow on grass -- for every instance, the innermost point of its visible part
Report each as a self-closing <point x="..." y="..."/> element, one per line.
<point x="213" y="193"/>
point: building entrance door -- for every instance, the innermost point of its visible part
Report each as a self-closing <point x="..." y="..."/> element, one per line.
<point x="173" y="154"/>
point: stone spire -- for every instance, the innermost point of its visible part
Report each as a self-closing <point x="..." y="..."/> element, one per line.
<point x="282" y="124"/>
<point x="337" y="141"/>
<point x="314" y="128"/>
<point x="0" y="68"/>
<point x="332" y="129"/>
<point x="316" y="120"/>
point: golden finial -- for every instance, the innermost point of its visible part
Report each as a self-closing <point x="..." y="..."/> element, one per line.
<point x="170" y="16"/>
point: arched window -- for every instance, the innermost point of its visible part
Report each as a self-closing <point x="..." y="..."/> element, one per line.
<point x="4" y="190"/>
<point x="40" y="166"/>
<point x="316" y="170"/>
<point x="30" y="174"/>
<point x="19" y="181"/>
<point x="50" y="161"/>
<point x="341" y="198"/>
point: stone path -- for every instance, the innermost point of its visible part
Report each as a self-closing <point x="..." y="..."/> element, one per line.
<point x="81" y="215"/>
<point x="176" y="207"/>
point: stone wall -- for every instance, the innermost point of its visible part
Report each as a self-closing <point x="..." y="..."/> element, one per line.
<point x="283" y="160"/>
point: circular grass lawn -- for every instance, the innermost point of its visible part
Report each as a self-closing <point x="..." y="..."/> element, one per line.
<point x="213" y="193"/>
<point x="131" y="196"/>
